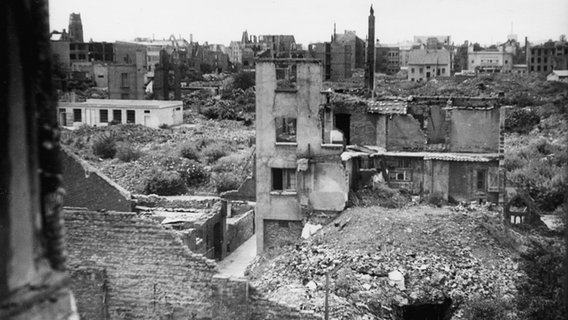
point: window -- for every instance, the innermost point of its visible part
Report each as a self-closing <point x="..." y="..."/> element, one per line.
<point x="283" y="179"/>
<point x="400" y="169"/>
<point x="544" y="68"/>
<point x="480" y="181"/>
<point x="77" y="115"/>
<point x="146" y="111"/>
<point x="444" y="70"/>
<point x="421" y="70"/>
<point x="103" y="115"/>
<point x="545" y="59"/>
<point x="117" y="116"/>
<point x="124" y="80"/>
<point x="178" y="108"/>
<point x="285" y="129"/>
<point x="286" y="76"/>
<point x="412" y="70"/>
<point x="506" y="61"/>
<point x="130" y="116"/>
<point x="493" y="179"/>
<point x="532" y="60"/>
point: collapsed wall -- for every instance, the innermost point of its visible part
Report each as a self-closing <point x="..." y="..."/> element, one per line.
<point x="128" y="266"/>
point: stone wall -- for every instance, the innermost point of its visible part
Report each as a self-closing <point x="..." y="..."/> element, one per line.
<point x="281" y="232"/>
<point x="150" y="274"/>
<point x="87" y="187"/>
<point x="239" y="230"/>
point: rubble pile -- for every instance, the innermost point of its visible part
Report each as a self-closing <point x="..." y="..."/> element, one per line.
<point x="383" y="259"/>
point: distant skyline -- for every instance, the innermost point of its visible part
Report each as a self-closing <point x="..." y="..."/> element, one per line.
<point x="222" y="21"/>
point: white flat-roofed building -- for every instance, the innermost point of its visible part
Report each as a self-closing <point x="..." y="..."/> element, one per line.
<point x="101" y="112"/>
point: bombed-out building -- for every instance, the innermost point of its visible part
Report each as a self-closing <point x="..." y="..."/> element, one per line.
<point x="314" y="146"/>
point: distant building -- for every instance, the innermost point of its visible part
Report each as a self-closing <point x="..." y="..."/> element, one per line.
<point x="356" y="45"/>
<point x="489" y="61"/>
<point x="126" y="81"/>
<point x="433" y="42"/>
<point x="75" y="27"/>
<point x="547" y="57"/>
<point x="520" y="69"/>
<point x="388" y="59"/>
<point x="101" y="112"/>
<point x="424" y="64"/>
<point x="558" y="75"/>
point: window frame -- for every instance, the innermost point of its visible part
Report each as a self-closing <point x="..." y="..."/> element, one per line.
<point x="287" y="179"/>
<point x="77" y="112"/>
<point x="130" y="116"/>
<point x="103" y="119"/>
<point x="286" y="127"/>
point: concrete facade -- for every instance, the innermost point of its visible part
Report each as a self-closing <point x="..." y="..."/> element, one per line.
<point x="388" y="60"/>
<point x="304" y="172"/>
<point x="489" y="61"/>
<point x="101" y="112"/>
<point x="547" y="57"/>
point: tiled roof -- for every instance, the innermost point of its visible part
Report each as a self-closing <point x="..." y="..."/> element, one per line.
<point x="388" y="107"/>
<point x="445" y="156"/>
<point x="429" y="57"/>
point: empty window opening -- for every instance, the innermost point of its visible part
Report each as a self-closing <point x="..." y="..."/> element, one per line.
<point x="124" y="80"/>
<point x="103" y="116"/>
<point x="343" y="124"/>
<point x="285" y="129"/>
<point x="481" y="181"/>
<point x="117" y="116"/>
<point x="426" y="311"/>
<point x="283" y="179"/>
<point x="77" y="115"/>
<point x="286" y="75"/>
<point x="130" y="116"/>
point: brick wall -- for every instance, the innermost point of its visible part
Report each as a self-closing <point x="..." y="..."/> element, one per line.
<point x="150" y="274"/>
<point x="239" y="230"/>
<point x="89" y="286"/>
<point x="281" y="232"/>
<point x="86" y="187"/>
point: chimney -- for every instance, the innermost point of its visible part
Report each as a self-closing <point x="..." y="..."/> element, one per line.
<point x="371" y="52"/>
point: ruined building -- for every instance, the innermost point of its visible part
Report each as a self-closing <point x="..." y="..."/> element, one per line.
<point x="75" y="27"/>
<point x="33" y="284"/>
<point x="314" y="146"/>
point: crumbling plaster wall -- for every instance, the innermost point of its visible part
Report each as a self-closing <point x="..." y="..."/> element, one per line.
<point x="474" y="130"/>
<point x="87" y="187"/>
<point x="302" y="103"/>
<point x="330" y="187"/>
<point x="404" y="133"/>
<point x="462" y="183"/>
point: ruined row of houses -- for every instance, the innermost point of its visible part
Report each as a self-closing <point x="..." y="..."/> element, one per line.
<point x="314" y="147"/>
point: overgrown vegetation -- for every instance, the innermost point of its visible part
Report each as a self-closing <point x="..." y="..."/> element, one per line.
<point x="126" y="153"/>
<point x="164" y="183"/>
<point x="104" y="145"/>
<point x="521" y="120"/>
<point x="479" y="308"/>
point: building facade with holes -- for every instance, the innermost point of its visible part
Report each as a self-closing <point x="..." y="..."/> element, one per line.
<point x="102" y="112"/>
<point x="298" y="168"/>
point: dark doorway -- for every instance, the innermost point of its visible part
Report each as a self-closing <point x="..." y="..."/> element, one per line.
<point x="428" y="311"/>
<point x="343" y="123"/>
<point x="218" y="241"/>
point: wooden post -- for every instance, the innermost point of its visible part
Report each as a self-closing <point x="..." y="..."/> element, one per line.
<point x="326" y="296"/>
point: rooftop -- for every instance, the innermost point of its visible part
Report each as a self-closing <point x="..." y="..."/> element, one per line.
<point x="429" y="57"/>
<point x="136" y="104"/>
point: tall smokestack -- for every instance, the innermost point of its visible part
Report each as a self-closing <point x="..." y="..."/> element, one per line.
<point x="370" y="74"/>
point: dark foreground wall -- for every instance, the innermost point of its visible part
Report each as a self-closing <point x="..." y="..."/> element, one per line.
<point x="144" y="271"/>
<point x="87" y="187"/>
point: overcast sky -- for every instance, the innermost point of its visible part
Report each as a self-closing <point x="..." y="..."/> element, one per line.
<point x="220" y="21"/>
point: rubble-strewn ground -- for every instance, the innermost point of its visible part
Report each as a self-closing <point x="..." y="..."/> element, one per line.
<point x="441" y="252"/>
<point x="160" y="146"/>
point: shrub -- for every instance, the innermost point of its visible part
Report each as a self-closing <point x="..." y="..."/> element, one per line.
<point x="521" y="120"/>
<point x="127" y="153"/>
<point x="244" y="80"/>
<point x="234" y="162"/>
<point x="164" y="183"/>
<point x="189" y="151"/>
<point x="436" y="198"/>
<point x="485" y="309"/>
<point x="191" y="172"/>
<point x="164" y="126"/>
<point x="104" y="146"/>
<point x="225" y="181"/>
<point x="215" y="151"/>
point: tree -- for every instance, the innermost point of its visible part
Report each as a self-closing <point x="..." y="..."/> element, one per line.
<point x="244" y="80"/>
<point x="477" y="47"/>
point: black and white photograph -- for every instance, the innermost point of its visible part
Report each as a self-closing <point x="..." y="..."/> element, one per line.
<point x="284" y="160"/>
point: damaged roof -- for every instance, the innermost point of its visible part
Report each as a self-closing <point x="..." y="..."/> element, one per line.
<point x="424" y="56"/>
<point x="354" y="151"/>
<point x="388" y="107"/>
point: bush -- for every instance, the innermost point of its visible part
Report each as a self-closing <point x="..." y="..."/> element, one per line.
<point x="485" y="309"/>
<point x="127" y="153"/>
<point x="215" y="151"/>
<point x="164" y="126"/>
<point x="521" y="120"/>
<point x="189" y="151"/>
<point x="164" y="183"/>
<point x="232" y="163"/>
<point x="225" y="181"/>
<point x="244" y="80"/>
<point x="104" y="146"/>
<point x="191" y="172"/>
